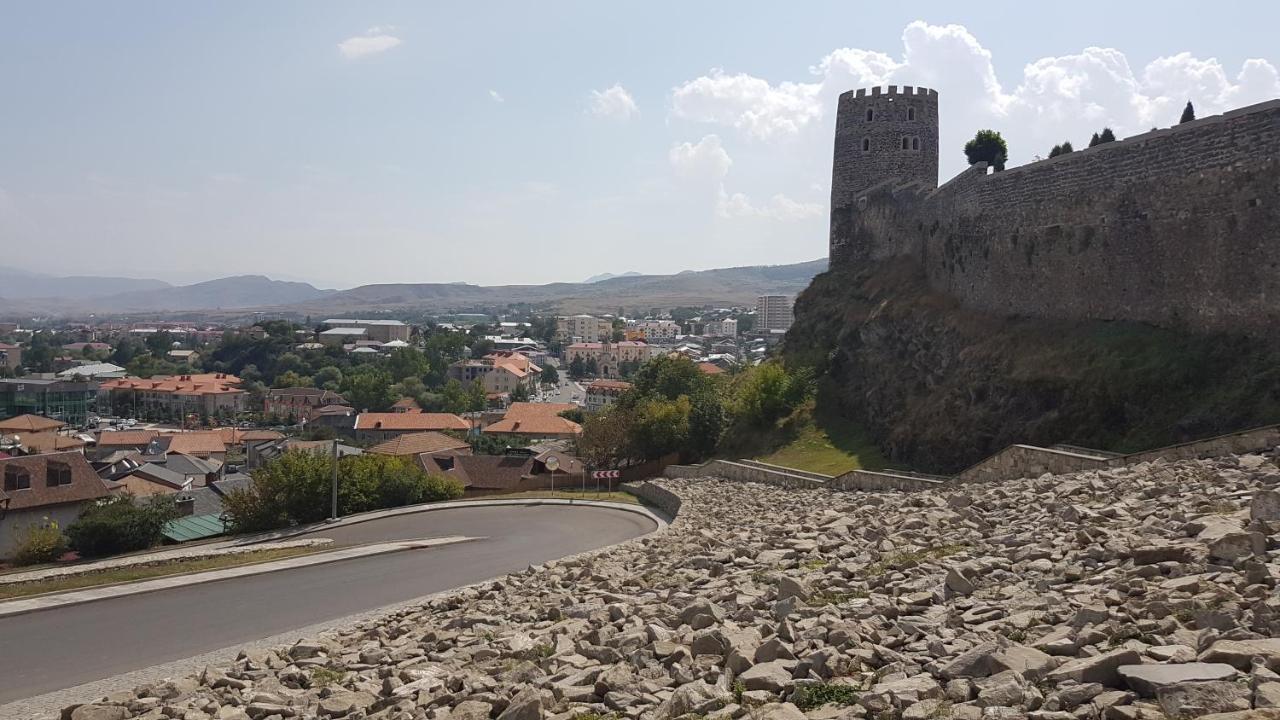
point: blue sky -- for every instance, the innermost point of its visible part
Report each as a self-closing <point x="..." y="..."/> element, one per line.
<point x="509" y="142"/>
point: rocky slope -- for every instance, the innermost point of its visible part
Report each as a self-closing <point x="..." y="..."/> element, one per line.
<point x="939" y="387"/>
<point x="1142" y="592"/>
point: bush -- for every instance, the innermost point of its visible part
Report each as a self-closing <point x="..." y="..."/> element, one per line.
<point x="296" y="489"/>
<point x="43" y="543"/>
<point x="120" y="524"/>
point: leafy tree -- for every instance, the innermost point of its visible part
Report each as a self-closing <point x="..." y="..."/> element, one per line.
<point x="481" y="347"/>
<point x="550" y="375"/>
<point x="661" y="427"/>
<point x="368" y="388"/>
<point x="1188" y="113"/>
<point x="407" y="362"/>
<point x="126" y="349"/>
<point x="577" y="368"/>
<point x="520" y="394"/>
<point x="160" y="343"/>
<point x="574" y="414"/>
<point x="328" y="377"/>
<point x="120" y="524"/>
<point x="291" y="379"/>
<point x="670" y="378"/>
<point x="477" y="400"/>
<point x="591" y="367"/>
<point x="768" y="392"/>
<point x="619" y="336"/>
<point x="988" y="146"/>
<point x="39" y="354"/>
<point x="290" y="362"/>
<point x="454" y="399"/>
<point x="606" y="438"/>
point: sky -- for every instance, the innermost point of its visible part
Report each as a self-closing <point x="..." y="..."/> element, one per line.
<point x="347" y="143"/>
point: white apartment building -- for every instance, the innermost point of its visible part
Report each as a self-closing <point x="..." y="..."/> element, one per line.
<point x="773" y="313"/>
<point x="720" y="328"/>
<point x="586" y="328"/>
<point x="657" y="330"/>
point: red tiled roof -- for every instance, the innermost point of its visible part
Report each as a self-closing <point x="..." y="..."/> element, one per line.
<point x="117" y="438"/>
<point x="410" y="421"/>
<point x="85" y="483"/>
<point x="196" y="385"/>
<point x="538" y="419"/>
<point x="609" y="385"/>
<point x="417" y="443"/>
<point x="29" y="423"/>
<point x="47" y="442"/>
<point x="236" y="436"/>
<point x="710" y="368"/>
<point x="196" y="443"/>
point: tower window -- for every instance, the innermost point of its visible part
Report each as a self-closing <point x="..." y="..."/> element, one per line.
<point x="870" y="114"/>
<point x="866" y="144"/>
<point x="915" y="143"/>
<point x="904" y="143"/>
<point x="911" y="113"/>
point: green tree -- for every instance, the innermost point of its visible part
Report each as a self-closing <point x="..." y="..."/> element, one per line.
<point x="768" y="392"/>
<point x="454" y="398"/>
<point x="661" y="427"/>
<point x="1106" y="136"/>
<point x="481" y="347"/>
<point x="988" y="146"/>
<point x="477" y="400"/>
<point x="520" y="394"/>
<point x="674" y="376"/>
<point x="577" y="368"/>
<point x="1062" y="149"/>
<point x="328" y="377"/>
<point x="291" y="379"/>
<point x="126" y="349"/>
<point x="1095" y="140"/>
<point x="368" y="388"/>
<point x="407" y="362"/>
<point x="550" y="375"/>
<point x="1188" y="113"/>
<point x="120" y="524"/>
<point x="606" y="438"/>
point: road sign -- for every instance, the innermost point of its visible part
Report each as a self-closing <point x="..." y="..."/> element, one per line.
<point x="606" y="474"/>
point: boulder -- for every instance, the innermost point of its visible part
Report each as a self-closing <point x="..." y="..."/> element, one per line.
<point x="772" y="676"/>
<point x="778" y="711"/>
<point x="1235" y="545"/>
<point x="1146" y="680"/>
<point x="698" y="698"/>
<point x="1240" y="653"/>
<point x="99" y="712"/>
<point x="1265" y="505"/>
<point x="1099" y="668"/>
<point x="1197" y="699"/>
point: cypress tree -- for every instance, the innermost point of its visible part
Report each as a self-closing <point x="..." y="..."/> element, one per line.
<point x="1188" y="113"/>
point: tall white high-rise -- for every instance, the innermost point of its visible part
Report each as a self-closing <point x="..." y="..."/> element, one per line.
<point x="773" y="312"/>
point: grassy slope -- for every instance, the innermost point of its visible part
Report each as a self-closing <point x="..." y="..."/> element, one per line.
<point x="813" y="439"/>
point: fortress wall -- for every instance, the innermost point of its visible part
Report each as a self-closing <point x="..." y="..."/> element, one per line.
<point x="1178" y="227"/>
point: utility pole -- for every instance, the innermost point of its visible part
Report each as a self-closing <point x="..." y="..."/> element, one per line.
<point x="333" y="506"/>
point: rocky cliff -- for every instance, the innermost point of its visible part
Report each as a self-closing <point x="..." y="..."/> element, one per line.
<point x="940" y="386"/>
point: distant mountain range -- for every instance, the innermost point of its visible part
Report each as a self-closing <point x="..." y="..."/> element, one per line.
<point x="27" y="294"/>
<point x="608" y="276"/>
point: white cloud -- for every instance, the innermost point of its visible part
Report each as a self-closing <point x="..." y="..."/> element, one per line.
<point x="496" y="96"/>
<point x="374" y="40"/>
<point x="705" y="160"/>
<point x="614" y="102"/>
<point x="1059" y="98"/>
<point x="779" y="207"/>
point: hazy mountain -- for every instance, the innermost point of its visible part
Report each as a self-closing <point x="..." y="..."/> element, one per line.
<point x="18" y="284"/>
<point x="725" y="286"/>
<point x="608" y="276"/>
<point x="241" y="291"/>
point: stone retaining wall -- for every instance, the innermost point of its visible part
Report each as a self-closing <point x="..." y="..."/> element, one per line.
<point x="1019" y="461"/>
<point x="1248" y="441"/>
<point x="874" y="481"/>
<point x="655" y="495"/>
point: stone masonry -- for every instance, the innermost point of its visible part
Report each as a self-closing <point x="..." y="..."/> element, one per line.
<point x="1177" y="227"/>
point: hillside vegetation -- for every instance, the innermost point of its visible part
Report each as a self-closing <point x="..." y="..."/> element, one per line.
<point x="938" y="387"/>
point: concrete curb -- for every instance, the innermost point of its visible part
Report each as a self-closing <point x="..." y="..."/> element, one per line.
<point x="639" y="509"/>
<point x="37" y="603"/>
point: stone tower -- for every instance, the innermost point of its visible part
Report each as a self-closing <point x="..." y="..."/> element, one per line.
<point x="883" y="134"/>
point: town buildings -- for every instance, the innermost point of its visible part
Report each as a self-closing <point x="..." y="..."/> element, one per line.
<point x="42" y="489"/>
<point x="299" y="403"/>
<point x="382" y="331"/>
<point x="609" y="357"/>
<point x="10" y="356"/>
<point x="385" y="426"/>
<point x="175" y="396"/>
<point x="536" y="421"/>
<point x="584" y="328"/>
<point x="720" y="328"/>
<point x="657" y="330"/>
<point x="499" y="372"/>
<point x="773" y="313"/>
<point x="603" y="393"/>
<point x="66" y="400"/>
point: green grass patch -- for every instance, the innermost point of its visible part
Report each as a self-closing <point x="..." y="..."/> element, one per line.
<point x="822" y="442"/>
<point x="808" y="697"/>
<point x="908" y="559"/>
<point x="324" y="677"/>
<point x="147" y="572"/>
<point x="590" y="494"/>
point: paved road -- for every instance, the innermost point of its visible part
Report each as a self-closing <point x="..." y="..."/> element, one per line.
<point x="54" y="649"/>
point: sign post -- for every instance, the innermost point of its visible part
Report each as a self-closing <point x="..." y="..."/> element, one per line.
<point x="553" y="464"/>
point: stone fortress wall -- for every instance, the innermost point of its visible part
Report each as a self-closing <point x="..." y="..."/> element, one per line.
<point x="1177" y="227"/>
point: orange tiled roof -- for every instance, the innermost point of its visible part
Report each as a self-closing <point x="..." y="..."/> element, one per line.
<point x="197" y="384"/>
<point x="29" y="423"/>
<point x="410" y="421"/>
<point x="536" y="419"/>
<point x="710" y="368"/>
<point x="47" y="442"/>
<point x="195" y="443"/>
<point x="126" y="437"/>
<point x="417" y="443"/>
<point x="609" y="385"/>
<point x="236" y="436"/>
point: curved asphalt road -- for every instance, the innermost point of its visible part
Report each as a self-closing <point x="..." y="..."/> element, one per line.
<point x="63" y="647"/>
